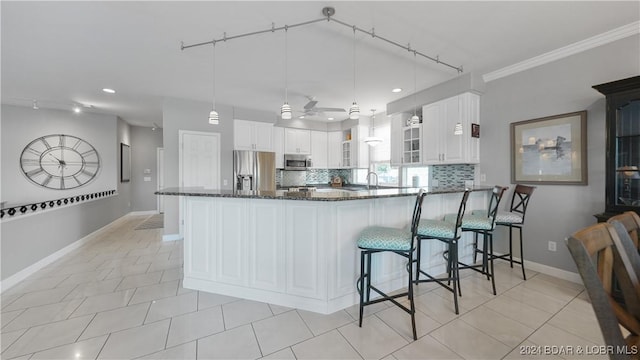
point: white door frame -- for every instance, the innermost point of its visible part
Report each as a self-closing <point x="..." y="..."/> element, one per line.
<point x="181" y="133"/>
<point x="159" y="177"/>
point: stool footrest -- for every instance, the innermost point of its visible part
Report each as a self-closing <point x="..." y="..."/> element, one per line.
<point x="439" y="281"/>
<point x="385" y="297"/>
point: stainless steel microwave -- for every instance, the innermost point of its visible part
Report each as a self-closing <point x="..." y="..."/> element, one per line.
<point x="297" y="162"/>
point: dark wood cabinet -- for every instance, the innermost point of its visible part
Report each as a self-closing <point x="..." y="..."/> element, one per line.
<point x="623" y="145"/>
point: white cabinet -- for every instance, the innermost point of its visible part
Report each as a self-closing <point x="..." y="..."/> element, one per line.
<point x="411" y="144"/>
<point x="278" y="146"/>
<point x="334" y="149"/>
<point x="355" y="152"/>
<point x="319" y="144"/>
<point x="441" y="145"/>
<point x="252" y="135"/>
<point x="297" y="141"/>
<point x="395" y="143"/>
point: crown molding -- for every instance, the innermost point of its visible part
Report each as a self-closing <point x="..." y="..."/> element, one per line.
<point x="565" y="51"/>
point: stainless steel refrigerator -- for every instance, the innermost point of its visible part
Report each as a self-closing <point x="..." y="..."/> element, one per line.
<point x="254" y="170"/>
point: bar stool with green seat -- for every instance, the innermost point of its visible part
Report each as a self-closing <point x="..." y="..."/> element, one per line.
<point x="449" y="233"/>
<point x="513" y="219"/>
<point x="483" y="224"/>
<point x="376" y="239"/>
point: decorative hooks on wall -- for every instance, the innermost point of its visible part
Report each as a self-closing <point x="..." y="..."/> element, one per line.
<point x="328" y="13"/>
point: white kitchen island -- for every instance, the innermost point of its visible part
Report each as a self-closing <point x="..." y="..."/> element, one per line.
<point x="299" y="249"/>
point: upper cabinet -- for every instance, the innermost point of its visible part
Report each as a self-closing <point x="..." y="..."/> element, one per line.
<point x="442" y="145"/>
<point x="396" y="127"/>
<point x="297" y="141"/>
<point x="278" y="146"/>
<point x="355" y="152"/>
<point x="319" y="149"/>
<point x="252" y="135"/>
<point x="334" y="149"/>
<point x="411" y="144"/>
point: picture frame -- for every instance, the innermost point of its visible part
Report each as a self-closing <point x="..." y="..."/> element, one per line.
<point x="125" y="163"/>
<point x="475" y="130"/>
<point x="550" y="150"/>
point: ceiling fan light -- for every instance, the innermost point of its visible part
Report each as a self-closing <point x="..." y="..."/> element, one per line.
<point x="214" y="118"/>
<point x="354" y="111"/>
<point x="285" y="111"/>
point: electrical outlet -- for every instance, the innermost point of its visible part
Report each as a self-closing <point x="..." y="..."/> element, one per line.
<point x="225" y="182"/>
<point x="483" y="177"/>
<point x="552" y="246"/>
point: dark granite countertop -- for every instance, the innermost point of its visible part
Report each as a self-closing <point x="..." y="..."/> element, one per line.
<point x="325" y="194"/>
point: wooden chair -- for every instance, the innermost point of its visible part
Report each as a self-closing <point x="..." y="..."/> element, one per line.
<point x="631" y="222"/>
<point x="598" y="256"/>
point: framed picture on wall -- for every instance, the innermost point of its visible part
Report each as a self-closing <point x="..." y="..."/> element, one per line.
<point x="550" y="150"/>
<point x="125" y="163"/>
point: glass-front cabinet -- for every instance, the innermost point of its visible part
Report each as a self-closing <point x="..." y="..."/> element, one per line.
<point x="623" y="144"/>
<point x="411" y="145"/>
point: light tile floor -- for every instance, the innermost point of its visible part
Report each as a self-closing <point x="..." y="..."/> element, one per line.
<point x="121" y="297"/>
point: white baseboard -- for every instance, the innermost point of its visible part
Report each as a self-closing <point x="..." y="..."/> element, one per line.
<point x="171" y="237"/>
<point x="147" y="212"/>
<point x="549" y="270"/>
<point x="30" y="270"/>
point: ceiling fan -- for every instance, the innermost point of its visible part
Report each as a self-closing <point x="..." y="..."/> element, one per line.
<point x="311" y="109"/>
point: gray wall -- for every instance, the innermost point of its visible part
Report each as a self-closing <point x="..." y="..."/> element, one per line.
<point x="21" y="125"/>
<point x="559" y="87"/>
<point x="30" y="239"/>
<point x="179" y="114"/>
<point x="144" y="144"/>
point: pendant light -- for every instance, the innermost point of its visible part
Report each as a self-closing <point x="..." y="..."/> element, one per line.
<point x="214" y="118"/>
<point x="354" y="110"/>
<point x="285" y="109"/>
<point x="415" y="120"/>
<point x="372" y="140"/>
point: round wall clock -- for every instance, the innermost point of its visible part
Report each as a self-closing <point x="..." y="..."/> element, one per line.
<point x="60" y="161"/>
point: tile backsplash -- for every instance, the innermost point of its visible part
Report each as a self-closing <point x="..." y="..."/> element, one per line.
<point x="452" y="175"/>
<point x="286" y="178"/>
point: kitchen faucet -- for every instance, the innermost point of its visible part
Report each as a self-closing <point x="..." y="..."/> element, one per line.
<point x="369" y="180"/>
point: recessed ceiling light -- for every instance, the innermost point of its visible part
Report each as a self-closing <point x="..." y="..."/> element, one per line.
<point x="396" y="90"/>
<point x="301" y="117"/>
<point x="109" y="91"/>
<point x="76" y="109"/>
<point x="330" y="119"/>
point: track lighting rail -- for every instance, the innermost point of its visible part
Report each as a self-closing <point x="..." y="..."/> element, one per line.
<point x="328" y="12"/>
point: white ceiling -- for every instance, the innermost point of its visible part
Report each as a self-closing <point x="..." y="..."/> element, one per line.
<point x="61" y="53"/>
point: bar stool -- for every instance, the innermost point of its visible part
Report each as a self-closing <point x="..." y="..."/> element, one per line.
<point x="449" y="233"/>
<point x="376" y="239"/>
<point x="483" y="224"/>
<point x="513" y="219"/>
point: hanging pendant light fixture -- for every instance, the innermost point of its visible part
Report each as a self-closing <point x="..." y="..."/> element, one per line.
<point x="285" y="109"/>
<point x="214" y="118"/>
<point x="373" y="140"/>
<point x="354" y="110"/>
<point x="415" y="119"/>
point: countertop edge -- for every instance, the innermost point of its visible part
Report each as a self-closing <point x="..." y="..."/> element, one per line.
<point x="312" y="196"/>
